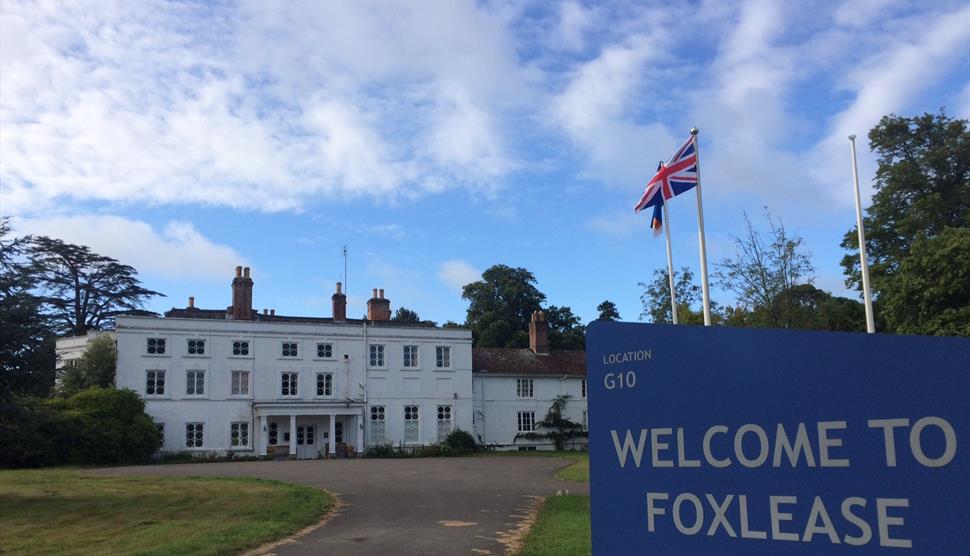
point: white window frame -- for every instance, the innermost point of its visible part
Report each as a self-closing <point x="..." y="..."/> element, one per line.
<point x="195" y="383"/>
<point x="442" y="354"/>
<point x="376" y="356"/>
<point x="233" y="383"/>
<point x="333" y="351"/>
<point x="248" y="348"/>
<point x="531" y="421"/>
<point x="414" y="360"/>
<point x="378" y="417"/>
<point x="205" y="347"/>
<point x="156" y="338"/>
<point x="293" y="378"/>
<point x="449" y="412"/>
<point x="243" y="432"/>
<point x="148" y="379"/>
<point x="296" y="348"/>
<point x="198" y="429"/>
<point x="316" y="384"/>
<point x="412" y="416"/>
<point x="523" y="384"/>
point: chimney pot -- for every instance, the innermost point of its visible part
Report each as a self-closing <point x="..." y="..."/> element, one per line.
<point x="191" y="302"/>
<point x="380" y="293"/>
<point x="238" y="272"/>
<point x="339" y="305"/>
<point x="374" y="294"/>
<point x="242" y="295"/>
<point x="265" y="311"/>
<point x="246" y="272"/>
<point x="339" y="286"/>
<point x="272" y="312"/>
<point x="379" y="308"/>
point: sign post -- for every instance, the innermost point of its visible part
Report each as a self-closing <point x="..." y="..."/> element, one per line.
<point x="744" y="441"/>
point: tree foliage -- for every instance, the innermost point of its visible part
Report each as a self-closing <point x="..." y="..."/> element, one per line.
<point x="96" y="367"/>
<point x="608" y="311"/>
<point x="94" y="426"/>
<point x="26" y="337"/>
<point x="82" y="290"/>
<point x="566" y="331"/>
<point x="656" y="298"/>
<point x="500" y="306"/>
<point x="763" y="268"/>
<point x="406" y="316"/>
<point x="929" y="292"/>
<point x="920" y="204"/>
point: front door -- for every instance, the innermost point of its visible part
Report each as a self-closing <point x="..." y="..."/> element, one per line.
<point x="306" y="442"/>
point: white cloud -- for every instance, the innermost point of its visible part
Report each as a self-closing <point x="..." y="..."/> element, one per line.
<point x="456" y="273"/>
<point x="574" y="22"/>
<point x="620" y="224"/>
<point x="177" y="252"/>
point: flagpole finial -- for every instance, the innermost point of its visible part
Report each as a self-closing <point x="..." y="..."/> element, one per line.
<point x="693" y="131"/>
<point x="852" y="137"/>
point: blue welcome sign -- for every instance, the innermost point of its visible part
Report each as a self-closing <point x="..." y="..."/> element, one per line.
<point x="746" y="441"/>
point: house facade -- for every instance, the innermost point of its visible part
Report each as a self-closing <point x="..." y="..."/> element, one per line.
<point x="248" y="382"/>
<point x="513" y="390"/>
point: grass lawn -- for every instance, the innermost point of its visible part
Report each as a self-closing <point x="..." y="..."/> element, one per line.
<point x="61" y="511"/>
<point x="578" y="471"/>
<point x="562" y="528"/>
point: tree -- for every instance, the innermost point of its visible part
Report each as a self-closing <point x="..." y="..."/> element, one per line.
<point x="656" y="298"/>
<point x="558" y="428"/>
<point x="764" y="268"/>
<point x="406" y="316"/>
<point x="922" y="189"/>
<point x="500" y="306"/>
<point x="929" y="292"/>
<point x="26" y="337"/>
<point x="96" y="367"/>
<point x="608" y="311"/>
<point x="809" y="308"/>
<point x="566" y="331"/>
<point x="81" y="289"/>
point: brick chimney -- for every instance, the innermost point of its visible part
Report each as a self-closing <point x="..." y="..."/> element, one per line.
<point x="378" y="308"/>
<point x="242" y="295"/>
<point x="339" y="305"/>
<point x="539" y="333"/>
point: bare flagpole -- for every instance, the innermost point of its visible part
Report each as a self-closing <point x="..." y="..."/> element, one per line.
<point x="866" y="291"/>
<point x="700" y="233"/>
<point x="670" y="265"/>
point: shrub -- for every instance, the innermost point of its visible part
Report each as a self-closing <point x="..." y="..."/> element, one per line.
<point x="460" y="443"/>
<point x="379" y="451"/>
<point x="94" y="426"/>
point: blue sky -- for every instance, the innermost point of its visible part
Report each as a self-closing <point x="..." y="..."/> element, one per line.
<point x="435" y="139"/>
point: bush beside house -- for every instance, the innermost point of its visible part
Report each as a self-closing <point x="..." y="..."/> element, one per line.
<point x="94" y="426"/>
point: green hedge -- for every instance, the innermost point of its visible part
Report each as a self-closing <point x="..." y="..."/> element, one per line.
<point x="95" y="426"/>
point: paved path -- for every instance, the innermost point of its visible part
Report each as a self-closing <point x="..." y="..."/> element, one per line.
<point x="405" y="506"/>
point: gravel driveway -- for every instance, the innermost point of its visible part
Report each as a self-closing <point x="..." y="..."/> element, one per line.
<point x="471" y="505"/>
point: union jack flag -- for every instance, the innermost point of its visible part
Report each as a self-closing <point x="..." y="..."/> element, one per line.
<point x="674" y="177"/>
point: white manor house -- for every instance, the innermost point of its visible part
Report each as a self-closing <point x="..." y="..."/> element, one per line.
<point x="237" y="380"/>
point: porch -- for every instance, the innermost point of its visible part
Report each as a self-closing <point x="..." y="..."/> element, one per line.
<point x="308" y="430"/>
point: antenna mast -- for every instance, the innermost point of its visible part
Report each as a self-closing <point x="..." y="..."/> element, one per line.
<point x="345" y="268"/>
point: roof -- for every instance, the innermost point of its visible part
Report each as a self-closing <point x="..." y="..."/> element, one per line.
<point x="223" y="314"/>
<point x="513" y="361"/>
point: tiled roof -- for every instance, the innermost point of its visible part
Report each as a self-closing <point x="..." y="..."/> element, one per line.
<point x="513" y="361"/>
<point x="222" y="314"/>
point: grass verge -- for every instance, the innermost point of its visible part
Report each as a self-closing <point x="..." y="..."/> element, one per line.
<point x="578" y="471"/>
<point x="60" y="511"/>
<point x="561" y="529"/>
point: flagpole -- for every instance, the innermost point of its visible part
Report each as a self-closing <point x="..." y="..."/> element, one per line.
<point x="866" y="291"/>
<point x="700" y="234"/>
<point x="670" y="266"/>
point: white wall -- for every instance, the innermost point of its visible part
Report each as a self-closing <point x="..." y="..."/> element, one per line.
<point x="497" y="405"/>
<point x="391" y="386"/>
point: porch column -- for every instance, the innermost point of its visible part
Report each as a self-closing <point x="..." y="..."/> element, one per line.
<point x="360" y="433"/>
<point x="333" y="436"/>
<point x="262" y="435"/>
<point x="292" y="435"/>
